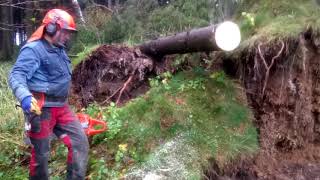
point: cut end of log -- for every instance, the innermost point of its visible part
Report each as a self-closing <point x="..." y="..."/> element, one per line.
<point x="227" y="36"/>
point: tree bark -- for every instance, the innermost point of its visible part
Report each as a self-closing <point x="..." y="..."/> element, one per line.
<point x="117" y="3"/>
<point x="6" y="35"/>
<point x="29" y="20"/>
<point x="1" y="31"/>
<point x="196" y="40"/>
<point x="77" y="9"/>
<point x="110" y="4"/>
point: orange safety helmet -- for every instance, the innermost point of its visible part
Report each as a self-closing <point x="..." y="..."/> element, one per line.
<point x="54" y="18"/>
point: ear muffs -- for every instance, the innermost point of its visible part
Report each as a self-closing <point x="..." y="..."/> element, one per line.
<point x="51" y="29"/>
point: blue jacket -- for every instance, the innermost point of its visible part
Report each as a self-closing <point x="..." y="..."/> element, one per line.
<point x="41" y="67"/>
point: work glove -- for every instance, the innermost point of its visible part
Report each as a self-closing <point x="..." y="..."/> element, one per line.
<point x="29" y="104"/>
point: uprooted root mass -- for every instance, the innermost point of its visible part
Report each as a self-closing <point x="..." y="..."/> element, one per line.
<point x="113" y="73"/>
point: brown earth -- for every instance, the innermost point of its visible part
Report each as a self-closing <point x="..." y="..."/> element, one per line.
<point x="282" y="83"/>
<point x="114" y="73"/>
<point x="286" y="102"/>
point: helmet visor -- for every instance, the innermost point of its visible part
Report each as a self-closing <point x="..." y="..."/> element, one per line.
<point x="66" y="37"/>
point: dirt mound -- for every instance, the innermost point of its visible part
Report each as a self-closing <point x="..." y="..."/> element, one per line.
<point x="282" y="83"/>
<point x="114" y="73"/>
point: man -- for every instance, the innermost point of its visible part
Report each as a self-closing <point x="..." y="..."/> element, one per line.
<point x="40" y="80"/>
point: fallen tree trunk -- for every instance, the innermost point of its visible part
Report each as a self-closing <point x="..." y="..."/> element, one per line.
<point x="115" y="73"/>
<point x="196" y="40"/>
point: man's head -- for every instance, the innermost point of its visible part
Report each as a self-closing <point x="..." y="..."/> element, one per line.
<point x="57" y="27"/>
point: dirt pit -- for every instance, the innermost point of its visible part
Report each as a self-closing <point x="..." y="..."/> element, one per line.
<point x="114" y="73"/>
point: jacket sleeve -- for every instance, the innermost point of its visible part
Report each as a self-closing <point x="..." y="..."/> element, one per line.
<point x="27" y="63"/>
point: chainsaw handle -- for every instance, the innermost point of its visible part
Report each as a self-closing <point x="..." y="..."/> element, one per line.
<point x="88" y="124"/>
<point x="94" y="122"/>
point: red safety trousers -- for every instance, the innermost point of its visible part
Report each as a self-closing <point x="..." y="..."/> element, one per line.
<point x="64" y="124"/>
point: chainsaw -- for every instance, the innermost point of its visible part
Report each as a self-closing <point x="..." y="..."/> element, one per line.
<point x="89" y="124"/>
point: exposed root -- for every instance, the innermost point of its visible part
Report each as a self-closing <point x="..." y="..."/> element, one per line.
<point x="123" y="88"/>
<point x="268" y="67"/>
<point x="108" y="99"/>
<point x="283" y="73"/>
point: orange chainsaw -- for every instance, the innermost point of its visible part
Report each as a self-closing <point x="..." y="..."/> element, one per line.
<point x="88" y="124"/>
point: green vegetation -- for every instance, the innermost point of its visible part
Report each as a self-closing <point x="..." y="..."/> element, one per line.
<point x="194" y="108"/>
<point x="11" y="135"/>
<point x="276" y="19"/>
<point x="185" y="118"/>
<point x="9" y="118"/>
<point x="82" y="55"/>
<point x="201" y="109"/>
<point x="144" y="20"/>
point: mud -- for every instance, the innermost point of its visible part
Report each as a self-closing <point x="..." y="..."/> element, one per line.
<point x="114" y="73"/>
<point x="282" y="83"/>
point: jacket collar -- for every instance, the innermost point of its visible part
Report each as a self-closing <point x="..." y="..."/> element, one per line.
<point x="49" y="47"/>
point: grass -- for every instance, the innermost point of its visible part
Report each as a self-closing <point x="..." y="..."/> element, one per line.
<point x="10" y="118"/>
<point x="193" y="109"/>
<point x="204" y="112"/>
<point x="278" y="19"/>
<point x="83" y="55"/>
<point x="197" y="113"/>
<point x="11" y="130"/>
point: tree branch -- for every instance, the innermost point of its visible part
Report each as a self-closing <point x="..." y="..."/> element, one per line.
<point x="15" y="25"/>
<point x="16" y="5"/>
<point x="5" y="29"/>
<point x="25" y="2"/>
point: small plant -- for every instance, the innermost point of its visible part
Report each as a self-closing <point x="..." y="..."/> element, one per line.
<point x="61" y="151"/>
<point x="166" y="76"/>
<point x="249" y="18"/>
<point x="102" y="169"/>
<point x="154" y="82"/>
<point x="114" y="123"/>
<point x="162" y="79"/>
<point x="121" y="153"/>
<point x="219" y="77"/>
<point x="198" y="83"/>
<point x="248" y="23"/>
